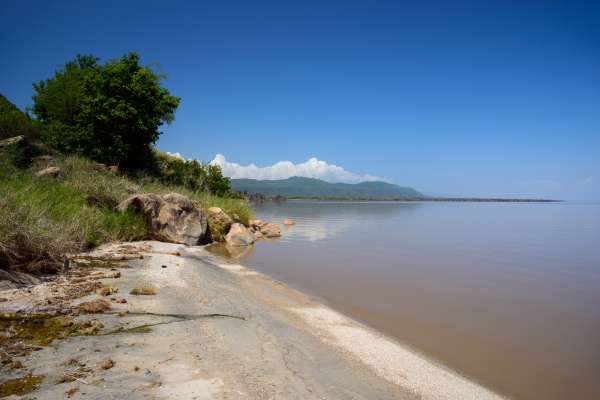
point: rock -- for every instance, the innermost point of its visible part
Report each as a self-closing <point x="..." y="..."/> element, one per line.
<point x="267" y="229"/>
<point x="288" y="222"/>
<point x="19" y="278"/>
<point x="11" y="141"/>
<point x="95" y="306"/>
<point x="107" y="290"/>
<point x="52" y="172"/>
<point x="257" y="224"/>
<point x="218" y="223"/>
<point x="172" y="217"/>
<point x="107" y="364"/>
<point x="270" y="230"/>
<point x="258" y="235"/>
<point x="239" y="235"/>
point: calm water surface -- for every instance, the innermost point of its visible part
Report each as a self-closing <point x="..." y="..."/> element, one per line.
<point x="505" y="293"/>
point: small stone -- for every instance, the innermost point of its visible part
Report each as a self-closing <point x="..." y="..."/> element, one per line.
<point x="107" y="364"/>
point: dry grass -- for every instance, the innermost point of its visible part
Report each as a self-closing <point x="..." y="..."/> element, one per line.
<point x="143" y="291"/>
<point x="42" y="219"/>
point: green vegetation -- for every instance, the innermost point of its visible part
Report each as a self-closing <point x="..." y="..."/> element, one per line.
<point x="20" y="386"/>
<point x="42" y="219"/>
<point x="110" y="113"/>
<point x="297" y="187"/>
<point x="14" y="122"/>
<point x="192" y="175"/>
<point x="86" y="114"/>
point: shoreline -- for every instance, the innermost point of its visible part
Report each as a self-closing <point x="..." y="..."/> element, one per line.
<point x="258" y="338"/>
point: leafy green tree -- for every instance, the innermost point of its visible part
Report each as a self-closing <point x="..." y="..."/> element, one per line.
<point x="193" y="175"/>
<point x="110" y="113"/>
<point x="14" y="122"/>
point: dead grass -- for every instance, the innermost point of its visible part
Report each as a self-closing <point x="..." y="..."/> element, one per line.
<point x="143" y="291"/>
<point x="42" y="219"/>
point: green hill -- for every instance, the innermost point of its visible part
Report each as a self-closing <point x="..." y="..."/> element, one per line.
<point x="310" y="187"/>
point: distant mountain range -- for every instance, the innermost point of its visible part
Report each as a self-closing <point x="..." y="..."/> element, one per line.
<point x="295" y="187"/>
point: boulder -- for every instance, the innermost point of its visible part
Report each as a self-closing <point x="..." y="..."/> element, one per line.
<point x="267" y="229"/>
<point x="52" y="172"/>
<point x="257" y="224"/>
<point x="239" y="235"/>
<point x="12" y="141"/>
<point x="270" y="230"/>
<point x="172" y="217"/>
<point x="288" y="222"/>
<point x="218" y="223"/>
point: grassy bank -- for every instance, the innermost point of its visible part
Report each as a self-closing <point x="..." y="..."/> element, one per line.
<point x="42" y="219"/>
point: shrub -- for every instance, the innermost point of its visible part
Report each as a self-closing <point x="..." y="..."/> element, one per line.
<point x="192" y="175"/>
<point x="14" y="122"/>
<point x="110" y="113"/>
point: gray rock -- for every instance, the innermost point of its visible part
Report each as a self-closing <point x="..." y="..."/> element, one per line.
<point x="239" y="235"/>
<point x="172" y="217"/>
<point x="11" y="141"/>
<point x="52" y="172"/>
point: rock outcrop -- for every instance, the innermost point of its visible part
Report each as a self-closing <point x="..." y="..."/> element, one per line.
<point x="171" y="217"/>
<point x="12" y="141"/>
<point x="52" y="172"/>
<point x="288" y="222"/>
<point x="218" y="223"/>
<point x="239" y="235"/>
<point x="266" y="229"/>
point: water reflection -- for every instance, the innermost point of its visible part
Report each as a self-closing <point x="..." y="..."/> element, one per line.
<point x="318" y="221"/>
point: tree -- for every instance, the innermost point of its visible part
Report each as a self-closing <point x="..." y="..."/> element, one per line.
<point x="110" y="113"/>
<point x="193" y="175"/>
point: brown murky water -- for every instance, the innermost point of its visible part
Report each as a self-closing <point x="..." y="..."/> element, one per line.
<point x="505" y="293"/>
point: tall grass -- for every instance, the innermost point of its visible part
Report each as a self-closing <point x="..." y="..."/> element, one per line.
<point x="42" y="219"/>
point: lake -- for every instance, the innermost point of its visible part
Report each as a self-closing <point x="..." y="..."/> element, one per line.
<point x="507" y="294"/>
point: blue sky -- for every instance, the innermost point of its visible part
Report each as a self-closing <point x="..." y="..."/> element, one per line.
<point x="454" y="98"/>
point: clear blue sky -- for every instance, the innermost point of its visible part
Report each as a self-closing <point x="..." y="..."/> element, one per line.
<point x="450" y="97"/>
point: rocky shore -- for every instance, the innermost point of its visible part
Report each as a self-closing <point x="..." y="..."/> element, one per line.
<point x="158" y="320"/>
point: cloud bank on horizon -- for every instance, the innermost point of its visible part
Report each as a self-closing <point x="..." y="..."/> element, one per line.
<point x="312" y="168"/>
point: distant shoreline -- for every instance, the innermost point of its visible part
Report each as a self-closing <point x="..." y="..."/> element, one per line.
<point x="430" y="199"/>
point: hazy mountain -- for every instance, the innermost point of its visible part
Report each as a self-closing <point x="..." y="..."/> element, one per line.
<point x="310" y="187"/>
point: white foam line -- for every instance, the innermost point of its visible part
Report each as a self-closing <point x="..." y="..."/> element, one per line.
<point x="390" y="360"/>
<point x="237" y="269"/>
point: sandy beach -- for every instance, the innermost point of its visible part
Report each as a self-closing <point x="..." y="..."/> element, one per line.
<point x="216" y="330"/>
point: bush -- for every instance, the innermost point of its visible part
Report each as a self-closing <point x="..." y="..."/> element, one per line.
<point x="110" y="113"/>
<point x="41" y="220"/>
<point x="14" y="122"/>
<point x="192" y="175"/>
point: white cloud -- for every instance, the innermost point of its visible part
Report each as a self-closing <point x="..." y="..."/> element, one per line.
<point x="312" y="168"/>
<point x="176" y="155"/>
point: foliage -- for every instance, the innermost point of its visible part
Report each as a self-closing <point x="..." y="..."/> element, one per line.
<point x="14" y="122"/>
<point x="42" y="219"/>
<point x="110" y="113"/>
<point x="192" y="174"/>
